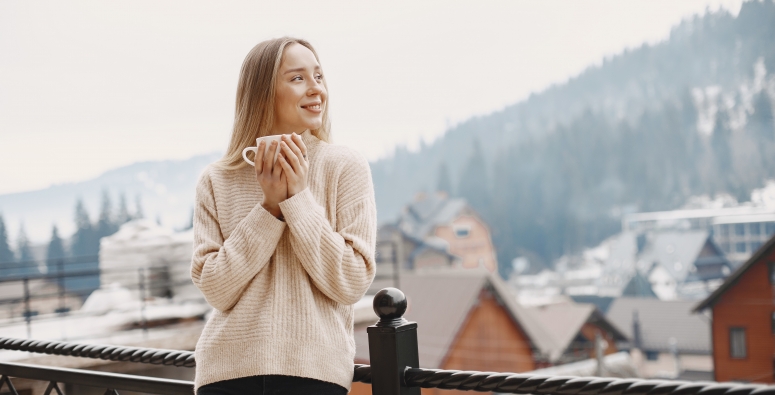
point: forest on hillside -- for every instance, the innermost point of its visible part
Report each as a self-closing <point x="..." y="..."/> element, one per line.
<point x="644" y="131"/>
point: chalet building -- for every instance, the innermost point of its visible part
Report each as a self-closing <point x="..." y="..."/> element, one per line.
<point x="469" y="320"/>
<point x="743" y="327"/>
<point x="437" y="231"/>
<point x="570" y="331"/>
<point x="679" y="265"/>
<point x="670" y="340"/>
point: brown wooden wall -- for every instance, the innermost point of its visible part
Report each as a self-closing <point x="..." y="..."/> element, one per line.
<point x="488" y="341"/>
<point x="475" y="248"/>
<point x="748" y="304"/>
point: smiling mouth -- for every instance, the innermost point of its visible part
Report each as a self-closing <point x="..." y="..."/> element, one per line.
<point x="312" y="106"/>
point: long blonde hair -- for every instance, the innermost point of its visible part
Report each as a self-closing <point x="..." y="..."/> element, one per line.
<point x="254" y="110"/>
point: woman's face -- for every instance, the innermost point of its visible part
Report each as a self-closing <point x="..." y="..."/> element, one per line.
<point x="300" y="96"/>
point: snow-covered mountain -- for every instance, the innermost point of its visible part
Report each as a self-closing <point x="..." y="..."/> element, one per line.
<point x="165" y="190"/>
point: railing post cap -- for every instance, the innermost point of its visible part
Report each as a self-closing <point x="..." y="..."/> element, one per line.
<point x="390" y="306"/>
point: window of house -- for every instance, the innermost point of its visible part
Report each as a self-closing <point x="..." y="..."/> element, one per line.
<point x="737" y="343"/>
<point x="652" y="355"/>
<point x="739" y="229"/>
<point x="755" y="228"/>
<point x="740" y="247"/>
<point x="721" y="230"/>
<point x="462" y="231"/>
<point x="769" y="228"/>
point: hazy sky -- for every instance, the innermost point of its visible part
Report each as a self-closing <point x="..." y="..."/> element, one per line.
<point x="86" y="86"/>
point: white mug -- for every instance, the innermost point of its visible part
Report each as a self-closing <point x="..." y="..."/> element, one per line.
<point x="268" y="141"/>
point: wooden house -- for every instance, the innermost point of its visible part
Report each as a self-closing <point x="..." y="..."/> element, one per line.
<point x="437" y="231"/>
<point x="743" y="314"/>
<point x="469" y="320"/>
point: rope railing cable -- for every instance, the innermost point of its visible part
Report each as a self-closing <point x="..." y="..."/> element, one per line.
<point x="101" y="351"/>
<point x="515" y="383"/>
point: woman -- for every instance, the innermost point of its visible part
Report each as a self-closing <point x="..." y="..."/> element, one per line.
<point x="283" y="250"/>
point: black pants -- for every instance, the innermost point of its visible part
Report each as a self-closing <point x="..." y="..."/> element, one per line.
<point x="271" y="385"/>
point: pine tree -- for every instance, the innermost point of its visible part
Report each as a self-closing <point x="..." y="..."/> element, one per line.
<point x="55" y="252"/>
<point x="85" y="240"/>
<point x="761" y="123"/>
<point x="138" y="208"/>
<point x="473" y="181"/>
<point x="720" y="142"/>
<point x="123" y="211"/>
<point x="27" y="263"/>
<point x="105" y="224"/>
<point x="6" y="255"/>
<point x="444" y="183"/>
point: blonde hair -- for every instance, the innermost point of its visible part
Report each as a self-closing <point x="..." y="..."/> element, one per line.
<point x="254" y="110"/>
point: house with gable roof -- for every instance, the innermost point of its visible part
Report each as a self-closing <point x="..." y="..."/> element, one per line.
<point x="436" y="231"/>
<point x="677" y="264"/>
<point x="742" y="310"/>
<point x="470" y="320"/>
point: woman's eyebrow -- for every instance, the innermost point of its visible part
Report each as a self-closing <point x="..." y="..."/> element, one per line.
<point x="296" y="70"/>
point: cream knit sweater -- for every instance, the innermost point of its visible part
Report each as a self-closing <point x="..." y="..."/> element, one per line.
<point x="283" y="291"/>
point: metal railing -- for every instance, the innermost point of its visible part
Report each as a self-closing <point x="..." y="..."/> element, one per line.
<point x="76" y="278"/>
<point x="394" y="370"/>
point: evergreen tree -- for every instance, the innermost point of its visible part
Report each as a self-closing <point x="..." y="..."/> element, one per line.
<point x="85" y="240"/>
<point x="27" y="263"/>
<point x="55" y="252"/>
<point x="123" y="211"/>
<point x="473" y="180"/>
<point x="138" y="208"/>
<point x="6" y="255"/>
<point x="720" y="142"/>
<point x="761" y="123"/>
<point x="105" y="224"/>
<point x="444" y="183"/>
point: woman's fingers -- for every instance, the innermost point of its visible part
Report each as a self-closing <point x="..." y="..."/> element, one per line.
<point x="288" y="170"/>
<point x="277" y="169"/>
<point x="300" y="143"/>
<point x="269" y="157"/>
<point x="292" y="157"/>
<point x="259" y="158"/>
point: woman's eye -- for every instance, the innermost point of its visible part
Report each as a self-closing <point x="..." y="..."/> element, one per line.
<point x="319" y="76"/>
<point x="296" y="78"/>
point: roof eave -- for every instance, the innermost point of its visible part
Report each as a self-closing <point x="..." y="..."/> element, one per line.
<point x="735" y="276"/>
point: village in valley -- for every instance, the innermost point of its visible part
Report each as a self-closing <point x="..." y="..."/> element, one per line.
<point x="617" y="225"/>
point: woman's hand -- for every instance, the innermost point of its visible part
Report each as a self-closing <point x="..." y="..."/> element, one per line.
<point x="271" y="178"/>
<point x="293" y="159"/>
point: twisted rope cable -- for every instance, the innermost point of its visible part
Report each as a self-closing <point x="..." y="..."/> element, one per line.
<point x="426" y="378"/>
<point x="362" y="374"/>
<point x="101" y="351"/>
<point x="515" y="383"/>
<point x="154" y="356"/>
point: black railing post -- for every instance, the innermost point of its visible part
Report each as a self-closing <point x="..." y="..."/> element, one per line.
<point x="392" y="345"/>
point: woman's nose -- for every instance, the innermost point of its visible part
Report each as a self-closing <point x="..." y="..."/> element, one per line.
<point x="315" y="89"/>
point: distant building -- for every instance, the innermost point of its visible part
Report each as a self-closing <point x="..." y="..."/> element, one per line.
<point x="146" y="257"/>
<point x="738" y="231"/>
<point x="670" y="264"/>
<point x="743" y="324"/>
<point x="437" y="231"/>
<point x="672" y="342"/>
<point x="570" y="331"/>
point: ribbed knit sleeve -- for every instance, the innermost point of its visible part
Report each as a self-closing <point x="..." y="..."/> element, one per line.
<point x="222" y="269"/>
<point x="339" y="261"/>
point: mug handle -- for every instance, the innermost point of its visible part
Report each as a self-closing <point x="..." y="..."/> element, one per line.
<point x="245" y="156"/>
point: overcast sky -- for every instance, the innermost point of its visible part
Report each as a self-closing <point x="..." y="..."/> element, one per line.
<point x="87" y="86"/>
